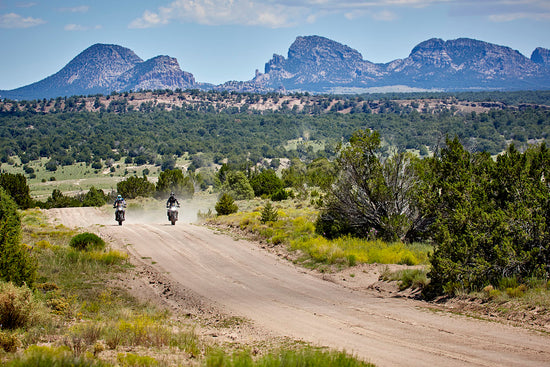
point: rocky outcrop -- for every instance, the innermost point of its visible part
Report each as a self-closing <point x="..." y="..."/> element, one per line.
<point x="318" y="64"/>
<point x="541" y="56"/>
<point x="161" y="72"/>
<point x="315" y="62"/>
<point x="466" y="64"/>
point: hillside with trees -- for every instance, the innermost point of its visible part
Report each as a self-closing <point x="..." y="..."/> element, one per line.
<point x="226" y="126"/>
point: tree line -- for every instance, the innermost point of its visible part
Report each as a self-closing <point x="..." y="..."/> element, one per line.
<point x="141" y="138"/>
<point x="488" y="219"/>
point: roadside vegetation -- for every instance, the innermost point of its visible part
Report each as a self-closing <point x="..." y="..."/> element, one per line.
<point x="292" y="228"/>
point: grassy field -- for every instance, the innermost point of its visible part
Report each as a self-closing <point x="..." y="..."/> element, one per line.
<point x="79" y="177"/>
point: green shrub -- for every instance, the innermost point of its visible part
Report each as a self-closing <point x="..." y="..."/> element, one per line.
<point x="16" y="263"/>
<point x="516" y="292"/>
<point x="507" y="282"/>
<point x="407" y="278"/>
<point x="413" y="278"/>
<point x="16" y="186"/>
<point x="237" y="185"/>
<point x="94" y="197"/>
<point x="135" y="186"/>
<point x="266" y="183"/>
<point x="131" y="359"/>
<point x="269" y="214"/>
<point x="18" y="307"/>
<point x="280" y="195"/>
<point x="87" y="242"/>
<point x="490" y="292"/>
<point x="58" y="200"/>
<point x="226" y="205"/>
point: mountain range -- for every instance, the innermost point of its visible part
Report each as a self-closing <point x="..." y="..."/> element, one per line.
<point x="313" y="64"/>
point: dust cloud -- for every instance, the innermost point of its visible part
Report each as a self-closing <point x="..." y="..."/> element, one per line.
<point x="154" y="211"/>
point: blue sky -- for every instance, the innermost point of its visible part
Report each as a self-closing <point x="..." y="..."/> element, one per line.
<point x="222" y="40"/>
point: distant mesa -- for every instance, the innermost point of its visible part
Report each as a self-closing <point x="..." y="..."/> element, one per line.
<point x="313" y="64"/>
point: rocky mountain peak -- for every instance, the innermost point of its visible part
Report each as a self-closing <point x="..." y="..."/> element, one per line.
<point x="103" y="68"/>
<point x="99" y="65"/>
<point x="466" y="63"/>
<point x="161" y="72"/>
<point x="541" y="56"/>
<point x="321" y="50"/>
<point x="317" y="60"/>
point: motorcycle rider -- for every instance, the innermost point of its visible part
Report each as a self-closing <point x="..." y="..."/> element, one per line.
<point x="120" y="199"/>
<point x="170" y="202"/>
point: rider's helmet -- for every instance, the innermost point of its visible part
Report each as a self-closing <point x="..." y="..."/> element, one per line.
<point x="119" y="197"/>
<point x="172" y="194"/>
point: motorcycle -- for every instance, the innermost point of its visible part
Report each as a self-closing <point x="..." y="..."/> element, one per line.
<point x="172" y="212"/>
<point x="120" y="213"/>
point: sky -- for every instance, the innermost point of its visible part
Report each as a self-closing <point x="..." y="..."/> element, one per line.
<point x="223" y="40"/>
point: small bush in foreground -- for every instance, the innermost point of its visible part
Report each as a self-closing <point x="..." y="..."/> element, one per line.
<point x="86" y="242"/>
<point x="407" y="278"/>
<point x="18" y="307"/>
<point x="9" y="341"/>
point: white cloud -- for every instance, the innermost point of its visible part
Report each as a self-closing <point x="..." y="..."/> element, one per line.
<point x="12" y="21"/>
<point x="504" y="10"/>
<point x="509" y="17"/>
<point x="220" y="12"/>
<point x="385" y="15"/>
<point x="285" y="13"/>
<point x="26" y="5"/>
<point x="76" y="9"/>
<point x="79" y="27"/>
<point x="149" y="19"/>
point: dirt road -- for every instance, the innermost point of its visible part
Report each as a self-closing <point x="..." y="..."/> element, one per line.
<point x="242" y="279"/>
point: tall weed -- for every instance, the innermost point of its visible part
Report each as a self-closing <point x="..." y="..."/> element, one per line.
<point x="355" y="250"/>
<point x="287" y="358"/>
<point x="407" y="278"/>
<point x="41" y="356"/>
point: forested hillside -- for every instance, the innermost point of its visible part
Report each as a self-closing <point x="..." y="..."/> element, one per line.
<point x="224" y="126"/>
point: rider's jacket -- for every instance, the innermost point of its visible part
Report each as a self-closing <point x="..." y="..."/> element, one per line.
<point x="171" y="201"/>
